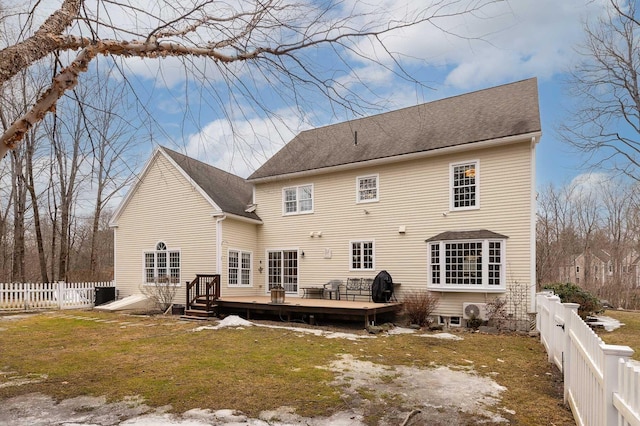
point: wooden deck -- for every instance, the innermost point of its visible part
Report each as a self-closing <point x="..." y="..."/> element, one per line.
<point x="295" y="308"/>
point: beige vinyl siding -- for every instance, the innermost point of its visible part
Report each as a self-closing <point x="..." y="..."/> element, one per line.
<point x="413" y="194"/>
<point x="164" y="207"/>
<point x="242" y="236"/>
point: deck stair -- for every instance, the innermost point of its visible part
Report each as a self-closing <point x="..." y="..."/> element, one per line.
<point x="202" y="294"/>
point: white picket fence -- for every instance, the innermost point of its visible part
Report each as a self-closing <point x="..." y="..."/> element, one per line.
<point x="601" y="382"/>
<point x="56" y="295"/>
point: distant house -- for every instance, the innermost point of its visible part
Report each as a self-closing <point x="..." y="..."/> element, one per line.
<point x="441" y="195"/>
<point x="596" y="268"/>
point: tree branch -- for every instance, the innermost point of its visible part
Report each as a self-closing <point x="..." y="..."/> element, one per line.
<point x="19" y="56"/>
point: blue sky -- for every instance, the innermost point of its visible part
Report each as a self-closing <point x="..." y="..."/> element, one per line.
<point x="505" y="41"/>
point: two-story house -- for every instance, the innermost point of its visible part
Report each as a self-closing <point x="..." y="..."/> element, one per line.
<point x="596" y="268"/>
<point x="441" y="195"/>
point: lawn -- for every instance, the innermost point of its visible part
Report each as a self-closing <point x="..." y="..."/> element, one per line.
<point x="253" y="369"/>
<point x="628" y="334"/>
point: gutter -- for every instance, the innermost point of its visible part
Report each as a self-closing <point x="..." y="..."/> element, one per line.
<point x="533" y="136"/>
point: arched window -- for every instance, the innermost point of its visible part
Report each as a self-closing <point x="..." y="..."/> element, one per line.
<point x="162" y="265"/>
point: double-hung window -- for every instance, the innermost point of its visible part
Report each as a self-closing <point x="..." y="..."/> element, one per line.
<point x="297" y="199"/>
<point x="239" y="268"/>
<point x="162" y="265"/>
<point x="467" y="264"/>
<point x="464" y="186"/>
<point x="367" y="189"/>
<point x="362" y="256"/>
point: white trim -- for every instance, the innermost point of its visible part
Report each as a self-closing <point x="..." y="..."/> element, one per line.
<point x="373" y="249"/>
<point x="298" y="250"/>
<point x="219" y="220"/>
<point x="401" y="157"/>
<point x="374" y="200"/>
<point x="532" y="261"/>
<point x="115" y="257"/>
<point x="240" y="252"/>
<point x="476" y="163"/>
<point x="239" y="218"/>
<point x="459" y="324"/>
<point x="155" y="262"/>
<point x="145" y="170"/>
<point x="298" y="188"/>
<point x="191" y="181"/>
<point x="470" y="288"/>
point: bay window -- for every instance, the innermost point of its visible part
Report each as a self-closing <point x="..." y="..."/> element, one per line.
<point x="476" y="263"/>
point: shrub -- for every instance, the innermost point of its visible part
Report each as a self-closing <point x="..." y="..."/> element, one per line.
<point x="419" y="305"/>
<point x="571" y="293"/>
<point x="161" y="293"/>
<point x="497" y="313"/>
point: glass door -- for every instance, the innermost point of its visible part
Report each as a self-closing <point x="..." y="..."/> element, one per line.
<point x="283" y="270"/>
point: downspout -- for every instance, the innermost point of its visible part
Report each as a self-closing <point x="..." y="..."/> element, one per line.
<point x="115" y="257"/>
<point x="219" y="218"/>
<point x="534" y="283"/>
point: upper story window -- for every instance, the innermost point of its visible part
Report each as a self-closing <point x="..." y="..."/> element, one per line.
<point x="297" y="199"/>
<point x="162" y="265"/>
<point x="239" y="268"/>
<point x="473" y="260"/>
<point x="362" y="256"/>
<point x="464" y="186"/>
<point x="367" y="189"/>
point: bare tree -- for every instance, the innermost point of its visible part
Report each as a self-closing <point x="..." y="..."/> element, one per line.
<point x="19" y="212"/>
<point x="605" y="120"/>
<point x="111" y="138"/>
<point x="271" y="36"/>
<point x="557" y="241"/>
<point x="68" y="139"/>
<point x="6" y="200"/>
<point x="586" y="207"/>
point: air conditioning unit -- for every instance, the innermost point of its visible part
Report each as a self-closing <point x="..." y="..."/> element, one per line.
<point x="474" y="310"/>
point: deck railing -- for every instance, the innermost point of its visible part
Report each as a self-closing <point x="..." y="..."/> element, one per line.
<point x="601" y="382"/>
<point x="204" y="285"/>
<point x="55" y="295"/>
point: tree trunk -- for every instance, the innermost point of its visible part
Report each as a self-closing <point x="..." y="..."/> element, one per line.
<point x="94" y="238"/>
<point x="30" y="148"/>
<point x="19" y="207"/>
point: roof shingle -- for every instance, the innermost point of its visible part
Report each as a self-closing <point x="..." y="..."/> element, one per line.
<point x="494" y="113"/>
<point x="230" y="192"/>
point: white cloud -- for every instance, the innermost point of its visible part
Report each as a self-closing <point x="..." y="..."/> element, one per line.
<point x="240" y="146"/>
<point x="589" y="188"/>
<point x="504" y="41"/>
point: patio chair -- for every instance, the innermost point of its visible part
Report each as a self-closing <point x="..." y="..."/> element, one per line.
<point x="331" y="288"/>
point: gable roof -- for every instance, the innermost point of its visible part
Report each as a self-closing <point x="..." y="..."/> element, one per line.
<point x="230" y="192"/>
<point x="227" y="193"/>
<point x="599" y="254"/>
<point x="500" y="112"/>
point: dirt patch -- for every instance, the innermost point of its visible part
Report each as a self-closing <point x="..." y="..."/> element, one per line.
<point x="438" y="396"/>
<point x="41" y="410"/>
<point x="371" y="393"/>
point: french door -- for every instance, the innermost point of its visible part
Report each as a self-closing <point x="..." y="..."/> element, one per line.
<point x="283" y="270"/>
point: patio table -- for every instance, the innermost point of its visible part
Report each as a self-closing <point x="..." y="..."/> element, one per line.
<point x="310" y="292"/>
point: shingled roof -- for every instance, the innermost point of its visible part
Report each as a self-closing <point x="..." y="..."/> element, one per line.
<point x="490" y="114"/>
<point x="480" y="234"/>
<point x="231" y="193"/>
